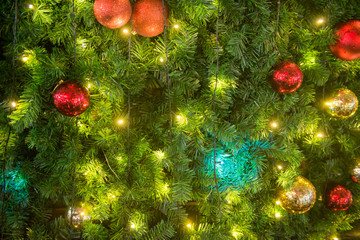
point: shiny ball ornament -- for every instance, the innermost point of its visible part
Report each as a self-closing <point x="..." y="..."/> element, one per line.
<point x="78" y="217"/>
<point x="355" y="175"/>
<point x="71" y="99"/>
<point x="148" y="17"/>
<point x="300" y="198"/>
<point x="347" y="46"/>
<point x="342" y="103"/>
<point x="112" y="13"/>
<point x="286" y="77"/>
<point x="339" y="199"/>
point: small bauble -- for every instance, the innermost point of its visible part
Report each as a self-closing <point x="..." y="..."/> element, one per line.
<point x="78" y="217"/>
<point x="300" y="198"/>
<point x="286" y="77"/>
<point x="342" y="103"/>
<point x="347" y="46"/>
<point x="339" y="198"/>
<point x="355" y="175"/>
<point x="148" y="17"/>
<point x="71" y="99"/>
<point x="112" y="13"/>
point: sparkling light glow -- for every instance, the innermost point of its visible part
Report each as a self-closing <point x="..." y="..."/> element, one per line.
<point x="89" y="85"/>
<point x="277" y="215"/>
<point x="278" y="202"/>
<point x="229" y="202"/>
<point x="120" y="121"/>
<point x="178" y="117"/>
<point x="126" y="31"/>
<point x="235" y="234"/>
<point x="25" y="59"/>
<point x="274" y="124"/>
<point x="189" y="225"/>
<point x="161" y="60"/>
<point x="13" y="104"/>
<point x="335" y="238"/>
<point x="132" y="226"/>
<point x="320" y="21"/>
<point x="82" y="213"/>
<point x="320" y="135"/>
<point x="279" y="167"/>
<point x="176" y="26"/>
<point x="31" y="6"/>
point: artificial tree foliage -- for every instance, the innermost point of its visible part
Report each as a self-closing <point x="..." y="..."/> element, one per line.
<point x="151" y="175"/>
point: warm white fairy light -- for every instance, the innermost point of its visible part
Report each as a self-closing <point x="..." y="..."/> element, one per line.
<point x="320" y="21"/>
<point x="13" y="104"/>
<point x="161" y="60"/>
<point x="31" y="6"/>
<point x="189" y="225"/>
<point x="176" y="26"/>
<point x="280" y="167"/>
<point x="278" y="202"/>
<point x="178" y="117"/>
<point x="120" y="121"/>
<point x="132" y="226"/>
<point x="320" y="135"/>
<point x="125" y="30"/>
<point x="274" y="124"/>
<point x="25" y="59"/>
<point x="277" y="215"/>
<point x="335" y="238"/>
<point x="89" y="85"/>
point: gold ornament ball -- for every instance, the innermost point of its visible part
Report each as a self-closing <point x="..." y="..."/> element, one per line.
<point x="343" y="103"/>
<point x="355" y="175"/>
<point x="300" y="198"/>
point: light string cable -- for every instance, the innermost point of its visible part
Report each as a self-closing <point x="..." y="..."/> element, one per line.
<point x="129" y="99"/>
<point x="214" y="108"/>
<point x="77" y="119"/>
<point x="166" y="67"/>
<point x="9" y="132"/>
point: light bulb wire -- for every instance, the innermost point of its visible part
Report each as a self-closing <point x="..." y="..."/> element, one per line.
<point x="3" y="190"/>
<point x="214" y="108"/>
<point x="166" y="67"/>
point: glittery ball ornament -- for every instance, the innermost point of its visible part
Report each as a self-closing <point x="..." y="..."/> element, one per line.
<point x="342" y="103"/>
<point x="286" y="77"/>
<point x="355" y="175"/>
<point x="71" y="99"/>
<point x="148" y="17"/>
<point x="78" y="216"/>
<point x="339" y="198"/>
<point x="347" y="46"/>
<point x="300" y="198"/>
<point x="112" y="13"/>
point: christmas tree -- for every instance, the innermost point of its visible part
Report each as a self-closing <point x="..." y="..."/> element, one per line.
<point x="180" y="119"/>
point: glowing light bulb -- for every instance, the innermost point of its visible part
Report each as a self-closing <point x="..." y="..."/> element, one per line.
<point x="120" y="122"/>
<point x="178" y="117"/>
<point x="320" y="135"/>
<point x="25" y="59"/>
<point x="126" y="31"/>
<point x="132" y="226"/>
<point x="161" y="60"/>
<point x="320" y="21"/>
<point x="335" y="238"/>
<point x="277" y="215"/>
<point x="31" y="6"/>
<point x="13" y="104"/>
<point x="229" y="202"/>
<point x="166" y="187"/>
<point x="274" y="124"/>
<point x="235" y="234"/>
<point x="189" y="225"/>
<point x="277" y="202"/>
<point x="176" y="26"/>
<point x="279" y="167"/>
<point x="86" y="173"/>
<point x="82" y="213"/>
<point x="89" y="85"/>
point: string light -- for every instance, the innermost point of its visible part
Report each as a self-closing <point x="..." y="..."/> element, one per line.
<point x="13" y="104"/>
<point x="120" y="121"/>
<point x="82" y="213"/>
<point x="235" y="234"/>
<point x="31" y="6"/>
<point x="132" y="226"/>
<point x="274" y="124"/>
<point x="335" y="238"/>
<point x="189" y="225"/>
<point x="320" y="135"/>
<point x="125" y="30"/>
<point x="320" y="21"/>
<point x="229" y="202"/>
<point x="85" y="173"/>
<point x="176" y="26"/>
<point x="166" y="187"/>
<point x="25" y="59"/>
<point x="161" y="60"/>
<point x="278" y="202"/>
<point x="178" y="117"/>
<point x="277" y="215"/>
<point x="89" y="85"/>
<point x="279" y="167"/>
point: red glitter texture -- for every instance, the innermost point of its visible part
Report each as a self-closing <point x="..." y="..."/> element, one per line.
<point x="148" y="17"/>
<point x="112" y="13"/>
<point x="286" y="77"/>
<point x="347" y="46"/>
<point x="71" y="99"/>
<point x="339" y="199"/>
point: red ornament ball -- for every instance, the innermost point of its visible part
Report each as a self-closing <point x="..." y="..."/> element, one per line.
<point x="339" y="199"/>
<point x="112" y="13"/>
<point x="148" y="17"/>
<point x="286" y="77"/>
<point x="347" y="46"/>
<point x="71" y="99"/>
